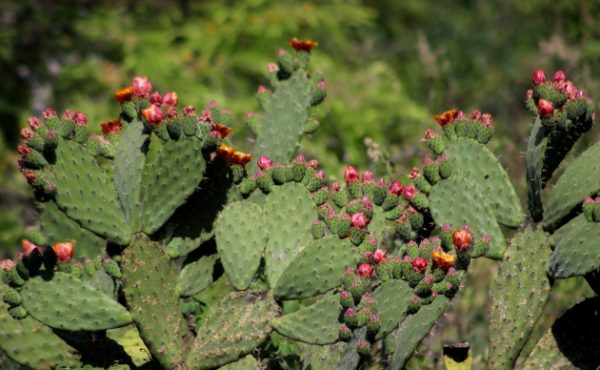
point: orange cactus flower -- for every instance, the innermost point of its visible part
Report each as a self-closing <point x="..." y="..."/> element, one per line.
<point x="64" y="251"/>
<point x="124" y="94"/>
<point x="447" y="117"/>
<point x="111" y="127"/>
<point x="241" y="158"/>
<point x="303" y="45"/>
<point x="222" y="130"/>
<point x="225" y="151"/>
<point x="442" y="259"/>
<point x="233" y="156"/>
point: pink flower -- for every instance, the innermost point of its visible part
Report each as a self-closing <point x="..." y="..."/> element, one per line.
<point x="171" y="99"/>
<point x="429" y="135"/>
<point x="414" y="173"/>
<point x="396" y="188"/>
<point x="155" y="98"/>
<point x="49" y="113"/>
<point x="350" y="175"/>
<point x="368" y="177"/>
<point x="322" y="85"/>
<point x="300" y="159"/>
<point x="261" y="89"/>
<point x="486" y="120"/>
<point x="476" y="115"/>
<point x="336" y="187"/>
<point x="141" y="87"/>
<point x="419" y="264"/>
<point x="409" y="192"/>
<point x="188" y="110"/>
<point x="80" y="119"/>
<point x="153" y="115"/>
<point x="538" y="77"/>
<point x="559" y="76"/>
<point x="359" y="220"/>
<point x="545" y="108"/>
<point x="379" y="256"/>
<point x="320" y="174"/>
<point x="264" y="162"/>
<point x="26" y="133"/>
<point x="34" y="123"/>
<point x="364" y="270"/>
<point x="28" y="247"/>
<point x="7" y="265"/>
<point x="272" y="67"/>
<point x="313" y="163"/>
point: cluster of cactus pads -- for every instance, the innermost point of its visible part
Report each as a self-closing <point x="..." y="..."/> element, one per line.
<point x="160" y="245"/>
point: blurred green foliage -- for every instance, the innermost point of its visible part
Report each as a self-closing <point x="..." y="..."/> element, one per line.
<point x="390" y="65"/>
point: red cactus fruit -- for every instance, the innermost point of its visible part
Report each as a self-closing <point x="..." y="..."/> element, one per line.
<point x="538" y="77"/>
<point x="545" y="108"/>
<point x="419" y="264"/>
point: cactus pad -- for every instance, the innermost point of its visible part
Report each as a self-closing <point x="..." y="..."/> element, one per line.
<point x="392" y="302"/>
<point x="148" y="281"/>
<point x="240" y="241"/>
<point x="86" y="194"/>
<point x="64" y="302"/>
<point x="476" y="163"/>
<point x="173" y="170"/>
<point x="546" y="355"/>
<point x="315" y="324"/>
<point x="458" y="202"/>
<point x="196" y="276"/>
<point x="128" y="337"/>
<point x="317" y="268"/>
<point x="338" y="356"/>
<point x="519" y="295"/>
<point x="580" y="179"/>
<point x="246" y="363"/>
<point x="576" y="249"/>
<point x="289" y="212"/>
<point x="232" y="328"/>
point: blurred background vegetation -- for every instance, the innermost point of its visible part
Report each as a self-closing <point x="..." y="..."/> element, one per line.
<point x="390" y="65"/>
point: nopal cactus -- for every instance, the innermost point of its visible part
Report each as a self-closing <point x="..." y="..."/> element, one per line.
<point x="369" y="265"/>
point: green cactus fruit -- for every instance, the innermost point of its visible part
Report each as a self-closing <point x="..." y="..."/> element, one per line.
<point x="317" y="268"/>
<point x="196" y="276"/>
<point x="315" y="324"/>
<point x="65" y="302"/>
<point x="86" y="194"/>
<point x="245" y="363"/>
<point x="12" y="297"/>
<point x="346" y="299"/>
<point x="422" y="184"/>
<point x="31" y="343"/>
<point x="580" y="179"/>
<point x="129" y="339"/>
<point x="431" y="171"/>
<point x="392" y="302"/>
<point x="247" y="186"/>
<point x="241" y="241"/>
<point x="345" y="333"/>
<point x="342" y="226"/>
<point x="355" y="190"/>
<point x="264" y="182"/>
<point x="363" y="347"/>
<point x="458" y="202"/>
<point x="484" y="133"/>
<point x="164" y="189"/>
<point x="18" y="312"/>
<point x="437" y="144"/>
<point x="289" y="212"/>
<point x="420" y="201"/>
<point x="317" y="230"/>
<point x="148" y="282"/>
<point x="232" y="328"/>
<point x="405" y="339"/>
<point x="575" y="249"/>
<point x="519" y="295"/>
<point x="477" y="164"/>
<point x="391" y="202"/>
<point x="357" y="235"/>
<point x="112" y="268"/>
<point x="130" y="151"/>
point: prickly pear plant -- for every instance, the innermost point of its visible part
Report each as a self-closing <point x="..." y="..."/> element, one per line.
<point x="162" y="246"/>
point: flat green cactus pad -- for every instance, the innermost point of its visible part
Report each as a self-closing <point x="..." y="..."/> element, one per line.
<point x="519" y="296"/>
<point x="338" y="356"/>
<point x="31" y="343"/>
<point x="547" y="355"/>
<point x="576" y="249"/>
<point x="580" y="179"/>
<point x="232" y="328"/>
<point x="289" y="212"/>
<point x="476" y="163"/>
<point x="458" y="202"/>
<point x="129" y="338"/>
<point x="317" y="268"/>
<point x="392" y="302"/>
<point x="246" y="363"/>
<point x="413" y="329"/>
<point x="196" y="276"/>
<point x="241" y="241"/>
<point x="173" y="170"/>
<point x="315" y="324"/>
<point x="65" y="302"/>
<point x="87" y="194"/>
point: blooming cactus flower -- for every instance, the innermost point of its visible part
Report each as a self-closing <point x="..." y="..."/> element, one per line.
<point x="64" y="251"/>
<point x="141" y="87"/>
<point x="462" y="238"/>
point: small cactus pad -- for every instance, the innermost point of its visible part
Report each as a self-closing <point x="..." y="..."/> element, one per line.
<point x="315" y="324"/>
<point x="392" y="302"/>
<point x="547" y="355"/>
<point x="246" y="363"/>
<point x="413" y="329"/>
<point x="232" y="328"/>
<point x="240" y="241"/>
<point x="128" y="169"/>
<point x="576" y="249"/>
<point x="580" y="179"/>
<point x="196" y="276"/>
<point x="86" y="194"/>
<point x="57" y="227"/>
<point x="476" y="163"/>
<point x="534" y="167"/>
<point x="458" y="202"/>
<point x="519" y="295"/>
<point x="148" y="282"/>
<point x="173" y="170"/>
<point x="65" y="302"/>
<point x="128" y="337"/>
<point x="289" y="212"/>
<point x="31" y="343"/>
<point x="317" y="268"/>
<point x="338" y="356"/>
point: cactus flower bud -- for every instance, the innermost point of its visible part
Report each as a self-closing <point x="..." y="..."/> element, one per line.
<point x="313" y="163"/>
<point x="429" y="135"/>
<point x="28" y="247"/>
<point x="396" y="188"/>
<point x="359" y="220"/>
<point x="272" y="68"/>
<point x="303" y="45"/>
<point x="141" y="87"/>
<point x="559" y="76"/>
<point x="462" y="238"/>
<point x="170" y="99"/>
<point x="23" y="151"/>
<point x="49" y="113"/>
<point x="368" y="177"/>
<point x="414" y="173"/>
<point x="153" y="115"/>
<point x="419" y="264"/>
<point x="409" y="192"/>
<point x="264" y="162"/>
<point x="538" y="77"/>
<point x="189" y="110"/>
<point x="261" y="89"/>
<point x="350" y="175"/>
<point x="26" y="133"/>
<point x="64" y="251"/>
<point x="447" y="117"/>
<point x="545" y="108"/>
<point x="7" y="265"/>
<point x="111" y="127"/>
<point x="30" y="176"/>
<point x="379" y="255"/>
<point x="364" y="270"/>
<point x="155" y="98"/>
<point x="34" y="123"/>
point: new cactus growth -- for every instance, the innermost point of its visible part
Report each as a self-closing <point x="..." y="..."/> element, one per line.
<point x="371" y="266"/>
